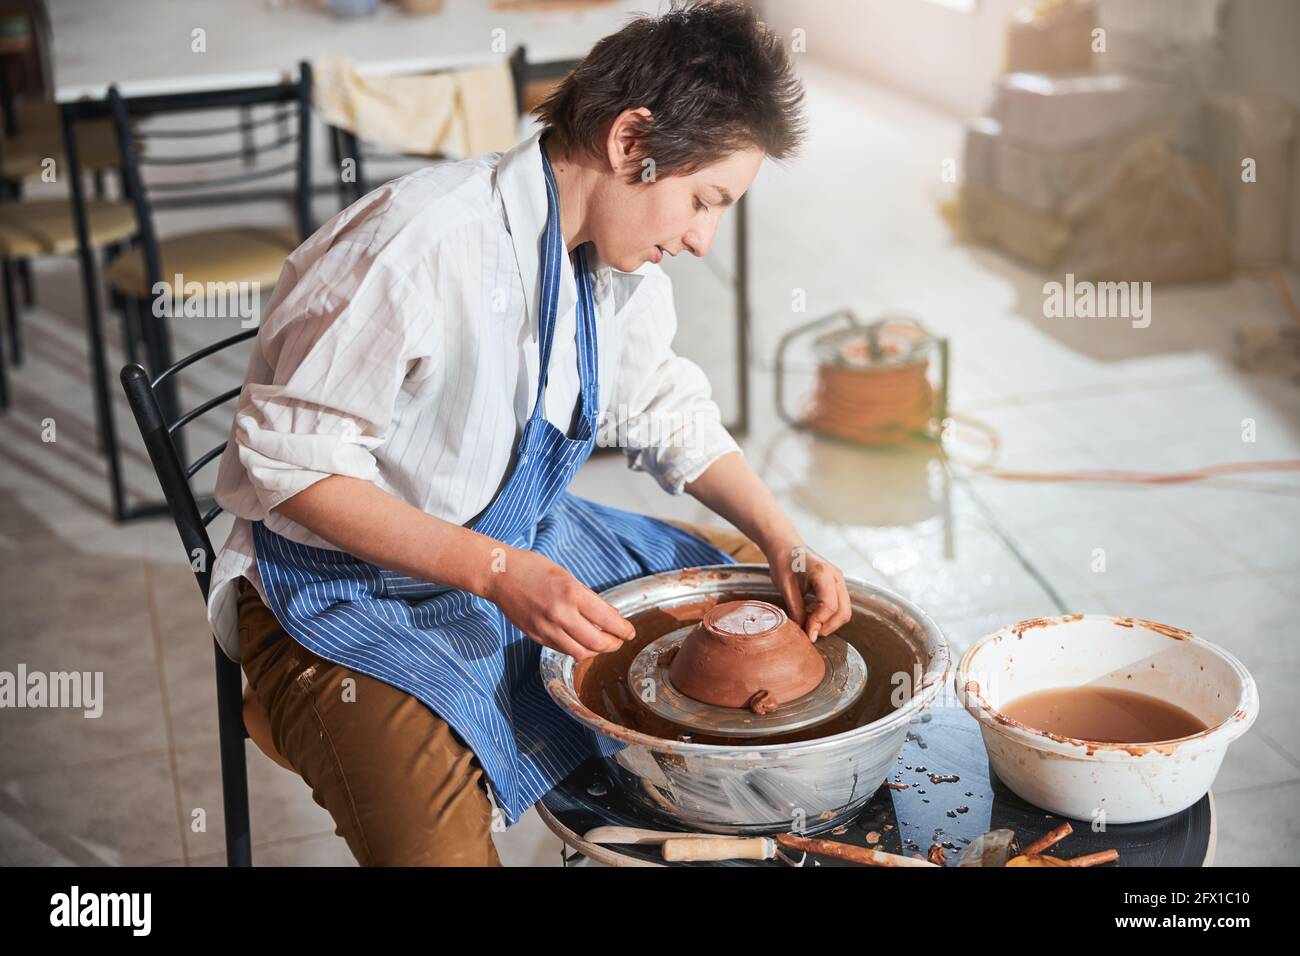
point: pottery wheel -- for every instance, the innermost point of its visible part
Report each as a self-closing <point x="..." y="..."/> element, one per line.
<point x="652" y="687"/>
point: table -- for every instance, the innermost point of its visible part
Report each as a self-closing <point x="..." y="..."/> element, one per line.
<point x="145" y="46"/>
<point x="945" y="741"/>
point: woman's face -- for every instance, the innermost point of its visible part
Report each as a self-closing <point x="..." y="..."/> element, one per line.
<point x="632" y="224"/>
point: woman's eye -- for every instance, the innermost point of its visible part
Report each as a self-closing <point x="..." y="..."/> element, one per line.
<point x="699" y="206"/>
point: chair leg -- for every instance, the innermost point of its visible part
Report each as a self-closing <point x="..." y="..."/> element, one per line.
<point x="234" y="767"/>
<point x="105" y="428"/>
<point x="110" y="252"/>
<point x="29" y="287"/>
<point x="13" y="314"/>
<point x="4" y="380"/>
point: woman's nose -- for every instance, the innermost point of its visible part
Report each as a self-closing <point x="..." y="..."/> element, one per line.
<point x="699" y="240"/>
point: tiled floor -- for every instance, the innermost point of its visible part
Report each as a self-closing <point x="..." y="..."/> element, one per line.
<point x="852" y="224"/>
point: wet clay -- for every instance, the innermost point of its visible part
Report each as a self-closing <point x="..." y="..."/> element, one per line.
<point x="747" y="654"/>
<point x="1105" y="714"/>
<point x="601" y="681"/>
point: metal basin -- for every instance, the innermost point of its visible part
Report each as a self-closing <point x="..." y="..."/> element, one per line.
<point x="806" y="785"/>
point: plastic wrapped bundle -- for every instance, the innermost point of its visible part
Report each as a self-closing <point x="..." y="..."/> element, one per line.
<point x="981" y="215"/>
<point x="1149" y="216"/>
<point x="1044" y="180"/>
<point x="1248" y="142"/>
<point x="1169" y="41"/>
<point x="1054" y="36"/>
<point x="1159" y="219"/>
<point x="1078" y="110"/>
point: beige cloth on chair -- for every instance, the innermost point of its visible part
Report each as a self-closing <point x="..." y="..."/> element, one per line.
<point x="456" y="114"/>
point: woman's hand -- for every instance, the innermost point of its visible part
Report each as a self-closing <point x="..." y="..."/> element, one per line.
<point x="797" y="570"/>
<point x="731" y="489"/>
<point x="553" y="607"/>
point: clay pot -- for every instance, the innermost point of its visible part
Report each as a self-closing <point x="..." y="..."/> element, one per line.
<point x="746" y="654"/>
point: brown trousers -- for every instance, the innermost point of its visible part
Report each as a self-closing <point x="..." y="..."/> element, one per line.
<point x="401" y="785"/>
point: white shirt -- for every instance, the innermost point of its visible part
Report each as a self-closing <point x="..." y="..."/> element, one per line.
<point x="400" y="346"/>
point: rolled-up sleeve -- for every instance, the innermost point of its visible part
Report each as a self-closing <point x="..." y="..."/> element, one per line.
<point x="661" y="410"/>
<point x="339" y="341"/>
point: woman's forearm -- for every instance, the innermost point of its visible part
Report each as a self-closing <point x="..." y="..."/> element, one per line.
<point x="364" y="520"/>
<point x="730" y="488"/>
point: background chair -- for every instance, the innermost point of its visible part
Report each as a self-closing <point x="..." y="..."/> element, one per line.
<point x="30" y="229"/>
<point x="274" y="145"/>
<point x="31" y="118"/>
<point x="529" y="84"/>
<point x="32" y="139"/>
<point x="238" y="716"/>
<point x="31" y="142"/>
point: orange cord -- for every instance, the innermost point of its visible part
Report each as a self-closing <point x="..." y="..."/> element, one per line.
<point x="895" y="405"/>
<point x="873" y="406"/>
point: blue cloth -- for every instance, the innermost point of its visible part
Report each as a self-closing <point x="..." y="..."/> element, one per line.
<point x="455" y="651"/>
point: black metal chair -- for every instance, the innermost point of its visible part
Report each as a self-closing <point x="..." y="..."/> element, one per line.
<point x="222" y="256"/>
<point x="159" y="432"/>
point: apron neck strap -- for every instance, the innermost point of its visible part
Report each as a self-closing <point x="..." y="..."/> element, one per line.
<point x="552" y="273"/>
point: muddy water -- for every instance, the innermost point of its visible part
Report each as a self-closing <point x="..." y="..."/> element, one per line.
<point x="1107" y="714"/>
<point x="601" y="682"/>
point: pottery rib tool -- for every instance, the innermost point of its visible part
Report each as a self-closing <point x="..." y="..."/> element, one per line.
<point x="689" y="847"/>
<point x="728" y="848"/>
<point x="720" y="848"/>
<point x="847" y="851"/>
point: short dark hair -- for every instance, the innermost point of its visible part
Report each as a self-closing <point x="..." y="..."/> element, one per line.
<point x="714" y="79"/>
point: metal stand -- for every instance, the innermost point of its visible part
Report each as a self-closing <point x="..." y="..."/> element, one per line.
<point x="906" y="818"/>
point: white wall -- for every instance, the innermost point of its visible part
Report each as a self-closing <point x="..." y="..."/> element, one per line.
<point x="942" y="56"/>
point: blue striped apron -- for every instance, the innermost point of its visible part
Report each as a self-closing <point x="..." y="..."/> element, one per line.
<point x="455" y="651"/>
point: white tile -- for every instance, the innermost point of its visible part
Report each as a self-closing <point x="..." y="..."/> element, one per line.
<point x="1138" y="546"/>
<point x="1252" y="761"/>
<point x="116" y="813"/>
<point x="1258" y="827"/>
<point x="281" y="806"/>
<point x="1239" y="612"/>
<point x="528" y="843"/>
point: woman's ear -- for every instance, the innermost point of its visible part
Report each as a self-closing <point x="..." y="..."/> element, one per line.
<point x="622" y="144"/>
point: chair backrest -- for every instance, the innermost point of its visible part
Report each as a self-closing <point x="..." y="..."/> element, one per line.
<point x="450" y="113"/>
<point x="534" y="79"/>
<point x="528" y="79"/>
<point x="174" y="476"/>
<point x="289" y="114"/>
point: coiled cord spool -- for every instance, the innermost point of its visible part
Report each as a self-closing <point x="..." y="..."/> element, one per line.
<point x="873" y="384"/>
<point x="874" y="388"/>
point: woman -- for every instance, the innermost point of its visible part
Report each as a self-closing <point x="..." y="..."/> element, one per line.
<point x="435" y="365"/>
